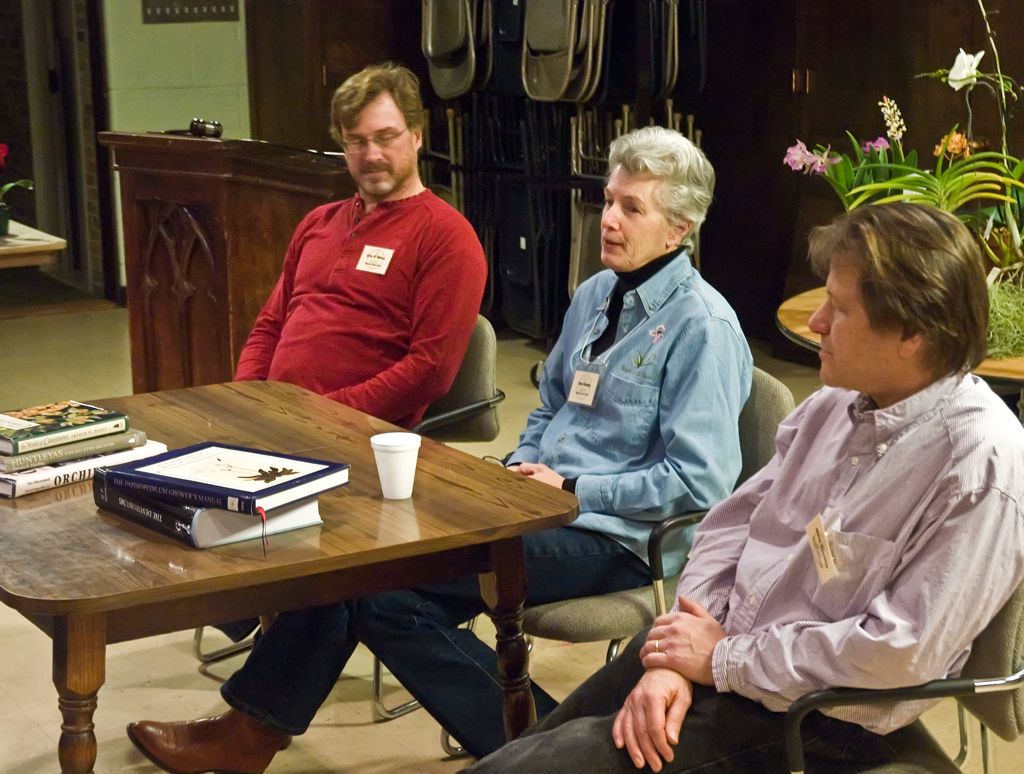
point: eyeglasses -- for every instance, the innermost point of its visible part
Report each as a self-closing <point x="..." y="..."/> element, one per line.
<point x="382" y="140"/>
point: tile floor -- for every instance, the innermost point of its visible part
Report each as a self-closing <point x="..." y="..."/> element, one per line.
<point x="85" y="355"/>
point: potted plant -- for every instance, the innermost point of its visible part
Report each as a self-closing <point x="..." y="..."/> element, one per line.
<point x="984" y="188"/>
<point x="5" y="208"/>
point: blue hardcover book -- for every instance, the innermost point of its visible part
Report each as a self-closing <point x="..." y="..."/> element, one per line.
<point x="234" y="478"/>
<point x="200" y="526"/>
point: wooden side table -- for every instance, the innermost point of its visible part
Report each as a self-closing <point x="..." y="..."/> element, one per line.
<point x="792" y="320"/>
<point x="25" y="246"/>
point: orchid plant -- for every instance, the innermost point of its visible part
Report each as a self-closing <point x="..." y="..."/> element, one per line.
<point x="879" y="171"/>
<point x="982" y="187"/>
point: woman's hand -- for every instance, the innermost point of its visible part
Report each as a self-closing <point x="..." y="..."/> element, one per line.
<point x="539" y="472"/>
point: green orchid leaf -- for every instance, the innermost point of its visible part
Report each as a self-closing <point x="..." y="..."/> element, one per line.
<point x="857" y="152"/>
<point x="24" y="183"/>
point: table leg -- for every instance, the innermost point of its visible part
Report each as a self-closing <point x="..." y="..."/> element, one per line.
<point x="504" y="591"/>
<point x="79" y="659"/>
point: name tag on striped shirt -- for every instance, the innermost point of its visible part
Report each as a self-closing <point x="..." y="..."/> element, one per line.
<point x="821" y="550"/>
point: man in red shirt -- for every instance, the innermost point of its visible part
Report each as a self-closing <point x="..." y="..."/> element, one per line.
<point x="379" y="293"/>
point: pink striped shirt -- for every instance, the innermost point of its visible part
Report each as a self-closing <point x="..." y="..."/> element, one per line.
<point x="923" y="501"/>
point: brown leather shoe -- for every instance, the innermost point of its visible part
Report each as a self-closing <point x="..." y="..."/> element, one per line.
<point x="233" y="743"/>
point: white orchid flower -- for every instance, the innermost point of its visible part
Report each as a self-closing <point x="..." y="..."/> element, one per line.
<point x="964" y="71"/>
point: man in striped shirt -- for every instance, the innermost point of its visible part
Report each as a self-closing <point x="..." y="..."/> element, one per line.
<point x="870" y="552"/>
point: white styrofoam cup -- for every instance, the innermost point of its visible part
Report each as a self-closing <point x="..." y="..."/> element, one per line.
<point x="396" y="455"/>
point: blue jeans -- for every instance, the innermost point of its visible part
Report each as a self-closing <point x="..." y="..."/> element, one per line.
<point x="416" y="634"/>
<point x="722" y="733"/>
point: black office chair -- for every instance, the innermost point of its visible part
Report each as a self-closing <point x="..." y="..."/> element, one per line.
<point x="991" y="688"/>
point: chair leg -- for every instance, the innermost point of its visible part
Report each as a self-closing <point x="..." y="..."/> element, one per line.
<point x="613" y="649"/>
<point x="986" y="750"/>
<point x="450" y="747"/>
<point x="213" y="656"/>
<point x="965" y="740"/>
<point x="380" y="711"/>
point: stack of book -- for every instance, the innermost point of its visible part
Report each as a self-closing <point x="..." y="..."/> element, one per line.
<point x="211" y="494"/>
<point x="60" y="443"/>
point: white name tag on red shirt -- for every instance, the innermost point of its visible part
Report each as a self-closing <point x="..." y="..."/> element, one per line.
<point x="584" y="388"/>
<point x="821" y="550"/>
<point x="375" y="259"/>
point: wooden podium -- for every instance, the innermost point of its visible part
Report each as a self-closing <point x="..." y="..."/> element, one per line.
<point x="206" y="226"/>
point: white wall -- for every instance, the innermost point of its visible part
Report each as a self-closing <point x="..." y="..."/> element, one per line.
<point x="161" y="76"/>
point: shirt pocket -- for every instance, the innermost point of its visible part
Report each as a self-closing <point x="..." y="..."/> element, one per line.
<point x="865" y="563"/>
<point x="629" y="413"/>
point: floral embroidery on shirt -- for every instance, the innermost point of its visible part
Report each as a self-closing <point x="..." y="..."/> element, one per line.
<point x="640" y="360"/>
<point x="656" y="334"/>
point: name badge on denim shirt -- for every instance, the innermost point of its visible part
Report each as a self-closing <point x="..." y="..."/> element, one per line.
<point x="584" y="387"/>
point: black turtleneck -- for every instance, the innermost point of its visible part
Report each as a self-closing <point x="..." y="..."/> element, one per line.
<point x="628" y="280"/>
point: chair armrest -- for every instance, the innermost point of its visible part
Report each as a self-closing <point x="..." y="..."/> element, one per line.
<point x="841" y="697"/>
<point x="654" y="552"/>
<point x="425" y="426"/>
<point x="660" y="532"/>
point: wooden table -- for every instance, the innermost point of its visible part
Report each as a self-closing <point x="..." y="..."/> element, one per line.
<point x="793" y="316"/>
<point x="88" y="578"/>
<point x="25" y="246"/>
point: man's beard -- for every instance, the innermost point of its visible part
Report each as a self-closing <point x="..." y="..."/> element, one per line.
<point x="380" y="185"/>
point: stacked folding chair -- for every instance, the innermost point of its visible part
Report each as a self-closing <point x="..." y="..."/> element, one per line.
<point x="456" y="41"/>
<point x="538" y="89"/>
<point x="563" y="49"/>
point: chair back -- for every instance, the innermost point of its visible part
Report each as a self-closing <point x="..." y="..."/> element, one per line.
<point x="769" y="403"/>
<point x="999" y="651"/>
<point x="469" y="411"/>
<point x="455" y="39"/>
<point x="585" y="248"/>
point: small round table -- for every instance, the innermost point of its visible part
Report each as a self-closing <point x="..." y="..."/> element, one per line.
<point x="793" y="316"/>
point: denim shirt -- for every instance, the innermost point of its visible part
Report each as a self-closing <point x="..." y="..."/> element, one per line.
<point x="662" y="434"/>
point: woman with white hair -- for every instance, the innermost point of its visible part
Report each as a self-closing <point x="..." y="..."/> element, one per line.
<point x="640" y="402"/>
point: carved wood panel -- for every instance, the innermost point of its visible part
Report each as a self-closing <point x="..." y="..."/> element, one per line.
<point x="177" y="277"/>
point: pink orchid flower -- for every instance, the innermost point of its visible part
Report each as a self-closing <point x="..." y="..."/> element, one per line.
<point x="878" y="144"/>
<point x="800" y="159"/>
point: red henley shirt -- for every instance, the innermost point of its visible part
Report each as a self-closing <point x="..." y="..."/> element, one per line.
<point x="388" y="344"/>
